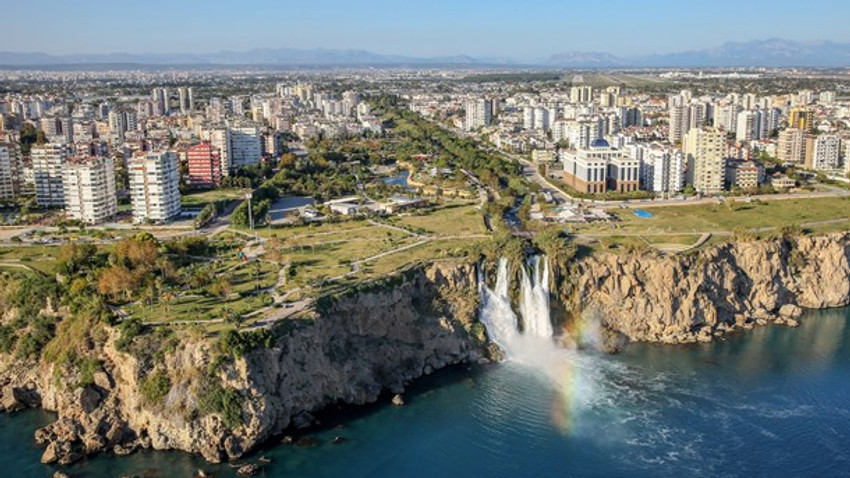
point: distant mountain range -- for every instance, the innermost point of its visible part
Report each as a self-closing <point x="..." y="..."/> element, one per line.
<point x="772" y="52"/>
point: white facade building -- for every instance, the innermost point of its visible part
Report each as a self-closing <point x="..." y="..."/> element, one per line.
<point x="154" y="186"/>
<point x="47" y="163"/>
<point x="826" y="153"/>
<point x="10" y="164"/>
<point x="89" y="185"/>
<point x="478" y="113"/>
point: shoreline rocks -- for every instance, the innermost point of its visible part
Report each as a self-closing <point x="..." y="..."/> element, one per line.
<point x="363" y="344"/>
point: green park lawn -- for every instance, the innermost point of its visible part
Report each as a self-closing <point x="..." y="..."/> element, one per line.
<point x="758" y="215"/>
<point x="449" y="221"/>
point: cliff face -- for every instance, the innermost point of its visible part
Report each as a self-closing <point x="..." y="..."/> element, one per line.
<point x="361" y="345"/>
<point x="676" y="299"/>
<point x="368" y="343"/>
<point x="376" y="340"/>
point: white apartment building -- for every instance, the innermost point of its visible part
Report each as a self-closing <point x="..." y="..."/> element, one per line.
<point x="662" y="169"/>
<point x="746" y="129"/>
<point x="726" y="117"/>
<point x="10" y="164"/>
<point x="478" y="113"/>
<point x="706" y="164"/>
<point x="581" y="94"/>
<point x="89" y="185"/>
<point x="47" y="163"/>
<point x="678" y="118"/>
<point x="220" y="139"/>
<point x="791" y="146"/>
<point x="154" y="186"/>
<point x="826" y="152"/>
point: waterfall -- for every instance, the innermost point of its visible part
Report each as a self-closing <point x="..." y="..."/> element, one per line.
<point x="534" y="305"/>
<point x="498" y="316"/>
<point x="496" y="313"/>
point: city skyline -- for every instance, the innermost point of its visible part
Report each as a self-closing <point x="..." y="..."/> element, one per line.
<point x="488" y="30"/>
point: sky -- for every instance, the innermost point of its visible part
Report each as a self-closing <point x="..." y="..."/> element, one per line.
<point x="519" y="29"/>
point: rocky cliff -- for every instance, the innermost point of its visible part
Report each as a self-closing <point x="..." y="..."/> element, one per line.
<point x="686" y="298"/>
<point x="188" y="392"/>
<point x="360" y="345"/>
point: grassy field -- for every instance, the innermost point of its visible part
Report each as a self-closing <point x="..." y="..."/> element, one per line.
<point x="448" y="221"/>
<point x="202" y="198"/>
<point x="758" y="215"/>
<point x="246" y="280"/>
<point x="438" y="249"/>
<point x="40" y="258"/>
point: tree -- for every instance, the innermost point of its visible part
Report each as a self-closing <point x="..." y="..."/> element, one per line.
<point x="116" y="281"/>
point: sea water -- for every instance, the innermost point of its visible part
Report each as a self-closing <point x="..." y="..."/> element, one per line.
<point x="769" y="402"/>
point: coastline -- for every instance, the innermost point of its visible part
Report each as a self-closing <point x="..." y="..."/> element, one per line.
<point x="433" y="317"/>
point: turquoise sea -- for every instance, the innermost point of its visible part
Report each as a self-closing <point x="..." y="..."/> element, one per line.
<point x="771" y="402"/>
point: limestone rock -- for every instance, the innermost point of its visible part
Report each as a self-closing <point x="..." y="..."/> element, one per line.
<point x="672" y="299"/>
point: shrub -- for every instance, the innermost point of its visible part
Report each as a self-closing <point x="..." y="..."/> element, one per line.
<point x="155" y="387"/>
<point x="129" y="329"/>
<point x="236" y="344"/>
<point x="224" y="401"/>
<point x="88" y="366"/>
<point x="8" y="339"/>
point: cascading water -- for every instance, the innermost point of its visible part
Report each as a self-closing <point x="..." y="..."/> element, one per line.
<point x="498" y="316"/>
<point x="495" y="312"/>
<point x="534" y="305"/>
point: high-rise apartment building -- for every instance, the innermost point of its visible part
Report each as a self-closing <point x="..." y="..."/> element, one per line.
<point x="245" y="145"/>
<point x="662" y="169"/>
<point x="204" y="165"/>
<point x="121" y="121"/>
<point x="746" y="126"/>
<point x="159" y="96"/>
<point x="10" y="165"/>
<point x="801" y="118"/>
<point x="679" y="122"/>
<point x="791" y="146"/>
<point x="48" y="162"/>
<point x="823" y="152"/>
<point x="478" y="113"/>
<point x="187" y="99"/>
<point x="154" y="186"/>
<point x="581" y="94"/>
<point x="706" y="164"/>
<point x="89" y="185"/>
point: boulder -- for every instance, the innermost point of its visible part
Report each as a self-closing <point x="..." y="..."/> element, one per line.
<point x="248" y="470"/>
<point x="398" y="400"/>
<point x="790" y="311"/>
<point x="88" y="398"/>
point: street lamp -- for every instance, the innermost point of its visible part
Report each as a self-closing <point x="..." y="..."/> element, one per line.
<point x="248" y="196"/>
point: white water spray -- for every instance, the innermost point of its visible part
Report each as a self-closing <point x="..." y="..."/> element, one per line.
<point x="495" y="312"/>
<point x="534" y="305"/>
<point x="501" y="321"/>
